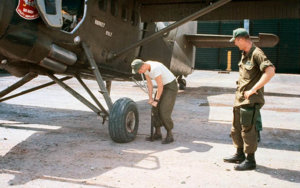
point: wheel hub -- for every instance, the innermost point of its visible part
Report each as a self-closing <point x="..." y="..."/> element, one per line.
<point x="130" y="121"/>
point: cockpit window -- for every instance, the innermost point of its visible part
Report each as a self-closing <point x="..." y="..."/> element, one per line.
<point x="134" y="18"/>
<point x="124" y="14"/>
<point x="102" y="5"/>
<point x="114" y="8"/>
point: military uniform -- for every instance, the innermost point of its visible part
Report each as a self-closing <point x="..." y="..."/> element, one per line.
<point x="247" y="119"/>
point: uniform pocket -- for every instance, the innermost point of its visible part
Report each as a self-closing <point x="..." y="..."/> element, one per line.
<point x="246" y="116"/>
<point x="248" y="70"/>
<point x="249" y="67"/>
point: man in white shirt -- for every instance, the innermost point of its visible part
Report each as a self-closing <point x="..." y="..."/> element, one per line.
<point x="165" y="96"/>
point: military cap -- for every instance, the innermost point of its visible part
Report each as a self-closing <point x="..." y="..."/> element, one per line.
<point x="136" y="65"/>
<point x="239" y="32"/>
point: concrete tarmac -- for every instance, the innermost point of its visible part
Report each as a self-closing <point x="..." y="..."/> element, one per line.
<point x="49" y="139"/>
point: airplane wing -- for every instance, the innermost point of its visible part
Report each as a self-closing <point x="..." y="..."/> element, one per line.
<point x="173" y="10"/>
<point x="222" y="41"/>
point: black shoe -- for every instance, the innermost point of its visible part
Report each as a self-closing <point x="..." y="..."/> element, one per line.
<point x="238" y="157"/>
<point x="245" y="165"/>
<point x="248" y="164"/>
<point x="168" y="140"/>
<point x="154" y="137"/>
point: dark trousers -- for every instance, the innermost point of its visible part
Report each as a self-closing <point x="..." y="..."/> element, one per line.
<point x="165" y="106"/>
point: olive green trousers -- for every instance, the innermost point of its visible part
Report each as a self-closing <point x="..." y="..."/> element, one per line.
<point x="243" y="131"/>
<point x="165" y="107"/>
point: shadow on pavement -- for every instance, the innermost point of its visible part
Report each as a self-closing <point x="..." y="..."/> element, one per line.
<point x="81" y="143"/>
<point x="282" y="174"/>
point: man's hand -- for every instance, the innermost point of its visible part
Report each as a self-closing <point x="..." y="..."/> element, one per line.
<point x="154" y="103"/>
<point x="150" y="101"/>
<point x="265" y="78"/>
<point x="247" y="94"/>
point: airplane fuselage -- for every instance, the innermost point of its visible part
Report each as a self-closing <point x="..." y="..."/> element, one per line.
<point x="103" y="30"/>
<point x="106" y="27"/>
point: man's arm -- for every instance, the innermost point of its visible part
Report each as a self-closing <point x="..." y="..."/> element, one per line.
<point x="150" y="89"/>
<point x="265" y="78"/>
<point x="160" y="88"/>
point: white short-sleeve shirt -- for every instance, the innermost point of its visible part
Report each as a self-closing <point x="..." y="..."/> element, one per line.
<point x="157" y="69"/>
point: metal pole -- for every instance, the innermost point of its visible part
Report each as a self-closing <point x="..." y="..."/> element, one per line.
<point x="75" y="94"/>
<point x="34" y="89"/>
<point x="91" y="94"/>
<point x="96" y="72"/>
<point x="228" y="60"/>
<point x="27" y="78"/>
<point x="172" y="26"/>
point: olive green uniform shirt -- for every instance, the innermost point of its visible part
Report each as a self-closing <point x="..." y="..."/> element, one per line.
<point x="251" y="68"/>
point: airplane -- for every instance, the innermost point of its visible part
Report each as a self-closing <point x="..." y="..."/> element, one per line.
<point x="98" y="39"/>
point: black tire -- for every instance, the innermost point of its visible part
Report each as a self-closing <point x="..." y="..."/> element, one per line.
<point x="182" y="84"/>
<point x="123" y="120"/>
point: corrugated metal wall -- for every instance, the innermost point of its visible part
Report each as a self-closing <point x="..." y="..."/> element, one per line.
<point x="216" y="58"/>
<point x="207" y="58"/>
<point x="285" y="56"/>
<point x="289" y="46"/>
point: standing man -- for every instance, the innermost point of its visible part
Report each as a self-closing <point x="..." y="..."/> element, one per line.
<point x="165" y="96"/>
<point x="255" y="71"/>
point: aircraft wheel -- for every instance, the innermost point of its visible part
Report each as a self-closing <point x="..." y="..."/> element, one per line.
<point x="182" y="84"/>
<point x="123" y="120"/>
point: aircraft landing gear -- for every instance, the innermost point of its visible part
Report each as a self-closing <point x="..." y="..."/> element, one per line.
<point x="123" y="120"/>
<point x="123" y="114"/>
<point x="181" y="82"/>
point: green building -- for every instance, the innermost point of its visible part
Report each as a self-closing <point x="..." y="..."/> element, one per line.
<point x="285" y="55"/>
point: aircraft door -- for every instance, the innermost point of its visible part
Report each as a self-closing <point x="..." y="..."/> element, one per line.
<point x="50" y="11"/>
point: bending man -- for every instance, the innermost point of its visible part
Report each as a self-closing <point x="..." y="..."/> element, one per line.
<point x="165" y="96"/>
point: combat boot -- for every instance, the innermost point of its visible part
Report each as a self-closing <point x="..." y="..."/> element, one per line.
<point x="154" y="137"/>
<point x="248" y="164"/>
<point x="238" y="157"/>
<point x="169" y="138"/>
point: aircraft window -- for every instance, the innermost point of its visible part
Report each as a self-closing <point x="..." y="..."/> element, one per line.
<point x="50" y="7"/>
<point x="72" y="13"/>
<point x="134" y="18"/>
<point x="102" y="5"/>
<point x="124" y="13"/>
<point x="114" y="7"/>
